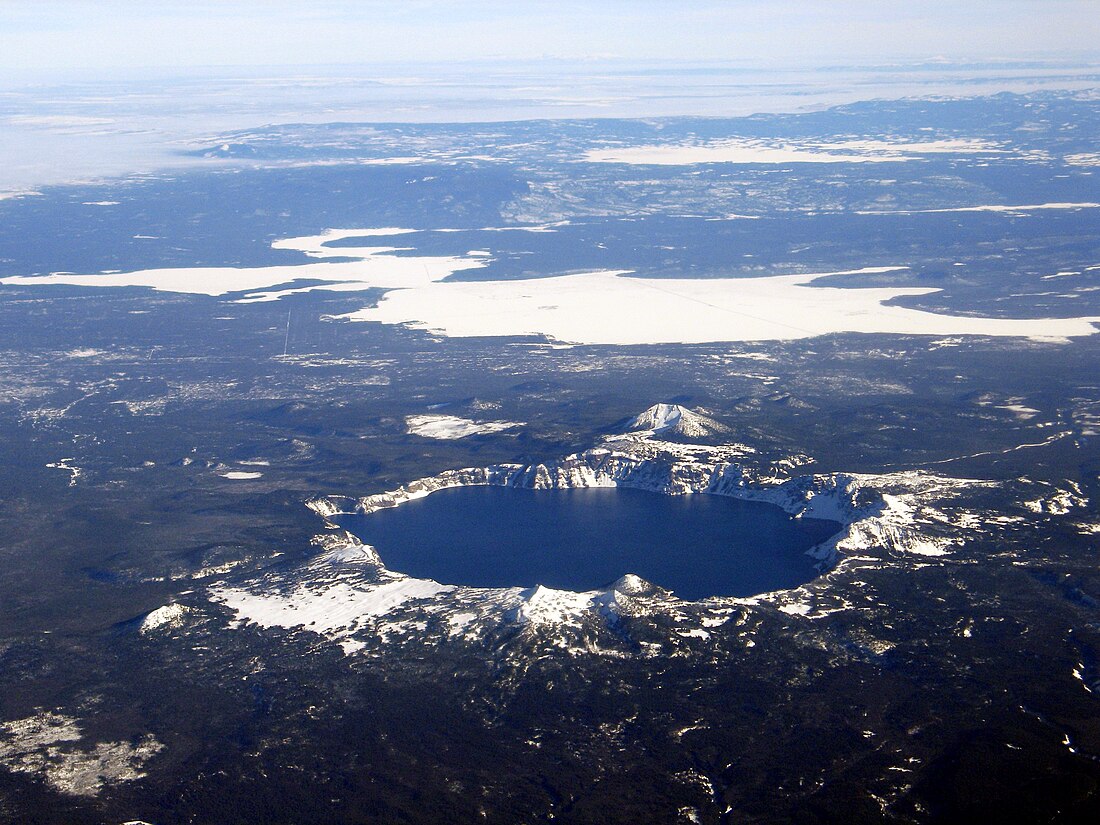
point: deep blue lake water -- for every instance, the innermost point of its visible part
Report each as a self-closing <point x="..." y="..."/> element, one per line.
<point x="696" y="545"/>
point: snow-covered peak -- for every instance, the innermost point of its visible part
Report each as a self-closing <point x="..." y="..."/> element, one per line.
<point x="674" y="419"/>
<point x="631" y="585"/>
<point x="169" y="616"/>
<point x="546" y="606"/>
<point x="349" y="550"/>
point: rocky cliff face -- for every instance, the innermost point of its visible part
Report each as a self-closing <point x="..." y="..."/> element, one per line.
<point x="644" y="467"/>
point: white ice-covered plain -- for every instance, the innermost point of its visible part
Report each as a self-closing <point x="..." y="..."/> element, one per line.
<point x="765" y="152"/>
<point x="602" y="307"/>
<point x="1005" y="209"/>
<point x="364" y="267"/>
<point x="608" y="308"/>
<point x="448" y="427"/>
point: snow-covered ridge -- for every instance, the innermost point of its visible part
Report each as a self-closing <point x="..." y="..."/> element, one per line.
<point x="642" y="466"/>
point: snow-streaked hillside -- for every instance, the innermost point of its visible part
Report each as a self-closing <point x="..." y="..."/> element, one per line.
<point x="673" y="419"/>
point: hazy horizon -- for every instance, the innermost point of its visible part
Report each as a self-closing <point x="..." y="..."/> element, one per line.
<point x="94" y="35"/>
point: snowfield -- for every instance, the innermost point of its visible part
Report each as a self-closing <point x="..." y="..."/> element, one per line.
<point x="448" y="427"/>
<point x="338" y="607"/>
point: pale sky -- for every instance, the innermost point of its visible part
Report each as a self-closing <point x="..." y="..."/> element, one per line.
<point x="100" y="34"/>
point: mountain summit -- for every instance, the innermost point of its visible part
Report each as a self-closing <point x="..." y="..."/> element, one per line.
<point x="672" y="419"/>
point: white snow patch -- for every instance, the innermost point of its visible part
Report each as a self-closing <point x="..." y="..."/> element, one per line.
<point x="351" y="646"/>
<point x="764" y="152"/>
<point x="448" y="427"/>
<point x="1022" y="412"/>
<point x="714" y="621"/>
<point x="334" y="607"/>
<point x="46" y="745"/>
<point x="1079" y="675"/>
<point x="67" y="465"/>
<point x="694" y="633"/>
<point x="1057" y="503"/>
<point x="739" y="151"/>
<point x="796" y="608"/>
<point x="925" y="147"/>
<point x="689" y="814"/>
<point x="458" y="622"/>
<point x="989" y="208"/>
<point x="241" y="475"/>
